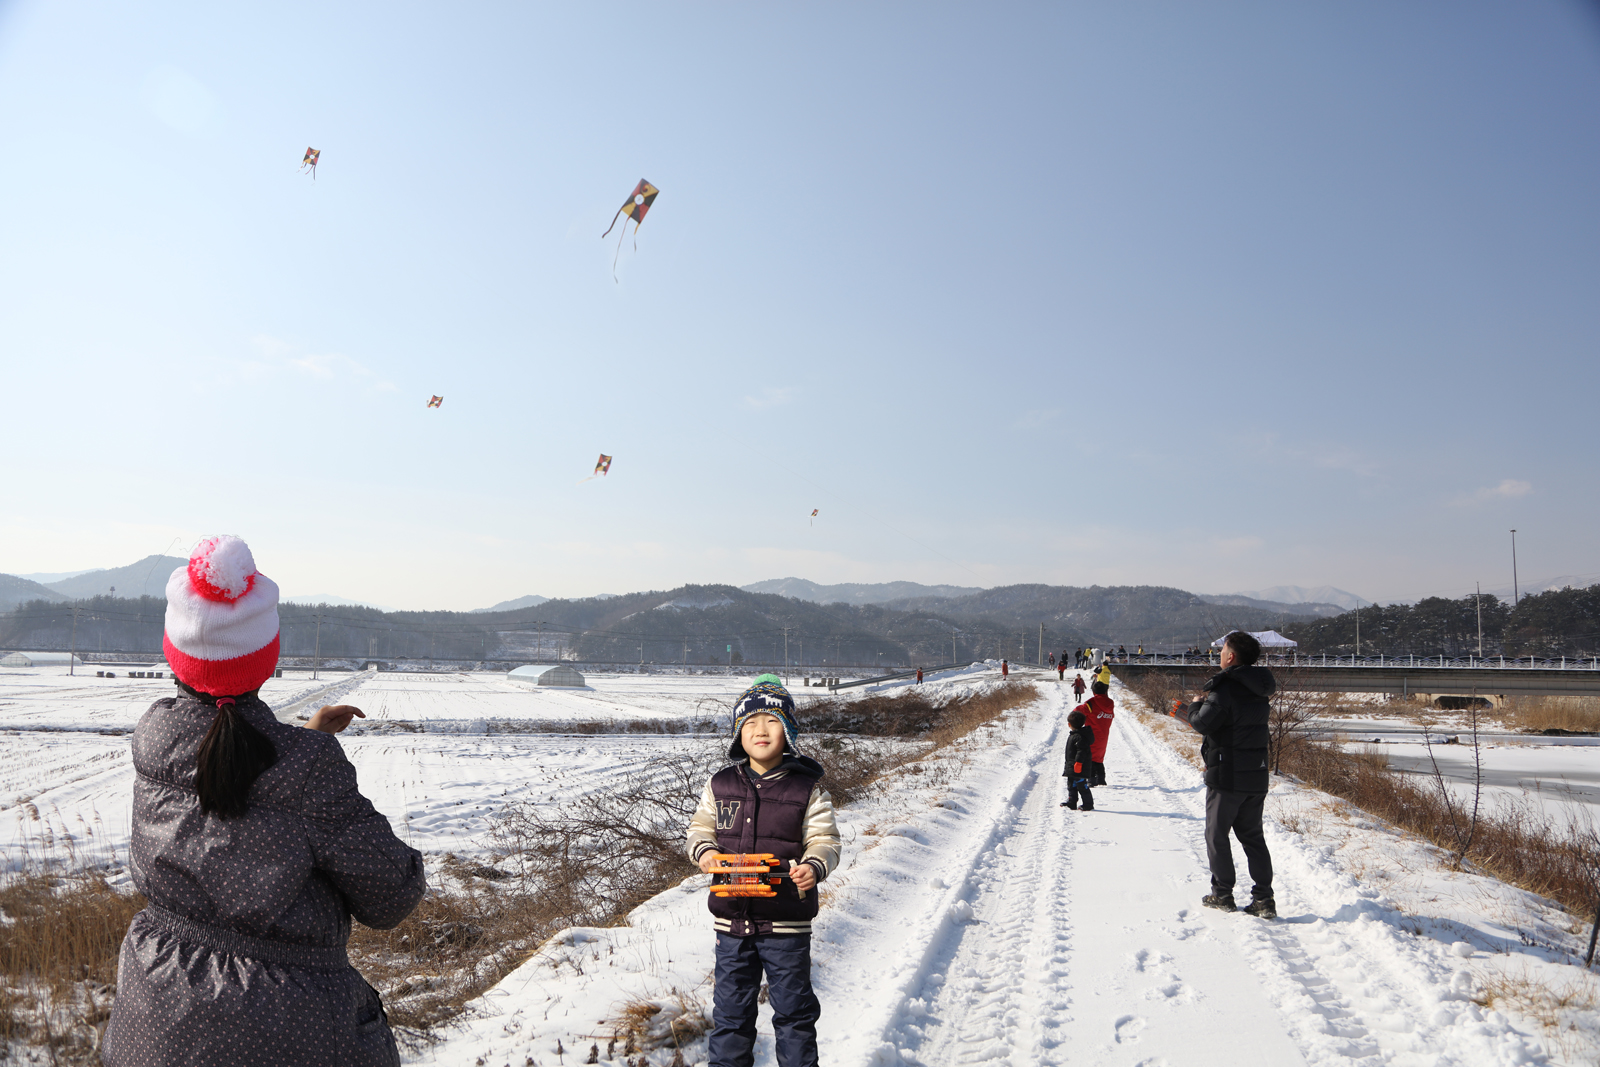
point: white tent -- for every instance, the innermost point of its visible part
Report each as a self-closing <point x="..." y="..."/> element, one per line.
<point x="1268" y="639"/>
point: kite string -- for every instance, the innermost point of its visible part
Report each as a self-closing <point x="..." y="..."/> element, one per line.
<point x="619" y="248"/>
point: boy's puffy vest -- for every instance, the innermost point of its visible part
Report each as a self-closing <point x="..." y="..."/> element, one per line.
<point x="766" y="815"/>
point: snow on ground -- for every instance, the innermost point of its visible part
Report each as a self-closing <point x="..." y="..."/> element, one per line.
<point x="973" y="919"/>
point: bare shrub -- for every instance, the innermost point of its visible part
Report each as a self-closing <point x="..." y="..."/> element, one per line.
<point x="59" y="938"/>
<point x="597" y="857"/>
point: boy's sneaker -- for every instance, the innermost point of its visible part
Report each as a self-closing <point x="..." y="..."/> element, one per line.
<point x="1064" y="804"/>
<point x="1220" y="901"/>
<point x="1262" y="908"/>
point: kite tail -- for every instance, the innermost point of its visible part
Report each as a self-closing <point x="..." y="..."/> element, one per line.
<point x="614" y="219"/>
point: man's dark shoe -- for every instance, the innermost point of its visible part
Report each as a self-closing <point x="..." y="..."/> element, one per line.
<point x="1222" y="902"/>
<point x="1262" y="908"/>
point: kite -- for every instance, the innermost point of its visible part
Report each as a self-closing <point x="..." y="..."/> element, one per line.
<point x="602" y="467"/>
<point x="436" y="402"/>
<point x="636" y="206"/>
<point x="814" y="515"/>
<point x="310" y="162"/>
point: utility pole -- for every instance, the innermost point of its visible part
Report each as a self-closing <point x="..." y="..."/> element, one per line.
<point x="72" y="656"/>
<point x="1478" y="601"/>
<point x="1041" y="644"/>
<point x="1513" y="568"/>
<point x="316" y="655"/>
<point x="785" y="655"/>
<point x="1358" y="627"/>
<point x="538" y="654"/>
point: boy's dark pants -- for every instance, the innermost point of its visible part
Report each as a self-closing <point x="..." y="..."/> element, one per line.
<point x="786" y="958"/>
<point x="1240" y="813"/>
<point x="1078" y="788"/>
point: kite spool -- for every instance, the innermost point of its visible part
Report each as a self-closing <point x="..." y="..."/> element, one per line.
<point x="749" y="874"/>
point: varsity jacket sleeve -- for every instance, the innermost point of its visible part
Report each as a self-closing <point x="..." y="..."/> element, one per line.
<point x="703" y="827"/>
<point x="822" y="833"/>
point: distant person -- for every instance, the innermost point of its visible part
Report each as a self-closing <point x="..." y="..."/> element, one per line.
<point x="1140" y="653"/>
<point x="1077" y="660"/>
<point x="1231" y="715"/>
<point x="1100" y="710"/>
<point x="1078" y="687"/>
<point x="1080" y="742"/>
<point x="1005" y="669"/>
<point x="255" y="850"/>
<point x="1096" y="658"/>
<point x="1061" y="669"/>
<point x="1122" y="653"/>
<point x="1103" y="675"/>
<point x="1052" y="659"/>
<point x="769" y="800"/>
<point x="919" y="675"/>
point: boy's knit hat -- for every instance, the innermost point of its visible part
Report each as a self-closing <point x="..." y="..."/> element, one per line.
<point x="222" y="620"/>
<point x="766" y="696"/>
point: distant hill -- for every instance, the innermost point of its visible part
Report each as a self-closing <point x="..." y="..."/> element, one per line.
<point x="1239" y="600"/>
<point x="1297" y="594"/>
<point x="332" y="601"/>
<point x="1157" y="616"/>
<point x="855" y="592"/>
<point x="530" y="601"/>
<point x="15" y="590"/>
<point x="148" y="577"/>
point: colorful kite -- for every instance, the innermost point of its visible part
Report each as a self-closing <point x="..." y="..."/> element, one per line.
<point x="601" y="468"/>
<point x="814" y="515"/>
<point x="310" y="162"/>
<point x="436" y="402"/>
<point x="637" y="205"/>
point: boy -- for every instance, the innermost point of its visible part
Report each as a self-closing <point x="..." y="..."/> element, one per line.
<point x="768" y="801"/>
<point x="1080" y="740"/>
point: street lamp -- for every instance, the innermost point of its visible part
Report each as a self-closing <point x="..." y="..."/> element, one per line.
<point x="1513" y="568"/>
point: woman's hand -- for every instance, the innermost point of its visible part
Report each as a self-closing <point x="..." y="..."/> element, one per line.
<point x="804" y="876"/>
<point x="331" y="718"/>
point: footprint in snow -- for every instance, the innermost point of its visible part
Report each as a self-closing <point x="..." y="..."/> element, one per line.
<point x="1128" y="1028"/>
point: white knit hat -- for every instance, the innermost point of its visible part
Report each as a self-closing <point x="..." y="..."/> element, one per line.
<point x="222" y="620"/>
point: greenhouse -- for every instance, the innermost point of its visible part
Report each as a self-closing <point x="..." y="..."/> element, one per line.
<point x="548" y="674"/>
<point x="39" y="659"/>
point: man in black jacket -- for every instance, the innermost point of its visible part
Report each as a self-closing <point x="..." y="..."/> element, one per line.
<point x="1232" y="717"/>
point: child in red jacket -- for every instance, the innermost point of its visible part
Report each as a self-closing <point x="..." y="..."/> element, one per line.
<point x="1100" y="710"/>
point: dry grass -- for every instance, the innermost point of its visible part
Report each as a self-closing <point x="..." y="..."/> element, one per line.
<point x="1519" y="845"/>
<point x="59" y="937"/>
<point x="1552" y="714"/>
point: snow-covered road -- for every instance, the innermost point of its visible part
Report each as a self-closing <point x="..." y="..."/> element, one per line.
<point x="974" y="920"/>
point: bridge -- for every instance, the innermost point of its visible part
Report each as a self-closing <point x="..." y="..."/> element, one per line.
<point x="1404" y="677"/>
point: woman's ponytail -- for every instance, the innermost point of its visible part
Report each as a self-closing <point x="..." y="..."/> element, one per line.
<point x="232" y="756"/>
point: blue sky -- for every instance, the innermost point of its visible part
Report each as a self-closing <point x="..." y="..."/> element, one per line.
<point x="1220" y="296"/>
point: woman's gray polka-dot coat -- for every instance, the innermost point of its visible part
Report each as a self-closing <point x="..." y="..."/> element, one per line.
<point x="240" y="958"/>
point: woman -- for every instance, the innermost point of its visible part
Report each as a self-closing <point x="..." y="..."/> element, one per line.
<point x="255" y="849"/>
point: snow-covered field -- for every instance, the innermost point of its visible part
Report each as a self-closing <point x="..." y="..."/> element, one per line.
<point x="972" y="920"/>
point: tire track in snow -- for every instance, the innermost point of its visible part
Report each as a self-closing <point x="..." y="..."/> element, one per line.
<point x="1002" y="996"/>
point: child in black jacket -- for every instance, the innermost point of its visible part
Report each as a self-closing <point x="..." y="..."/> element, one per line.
<point x="1080" y="742"/>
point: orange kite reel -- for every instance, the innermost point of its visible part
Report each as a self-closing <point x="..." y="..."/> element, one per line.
<point x="749" y="874"/>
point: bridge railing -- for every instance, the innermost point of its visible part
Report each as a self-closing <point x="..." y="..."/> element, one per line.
<point x="1409" y="661"/>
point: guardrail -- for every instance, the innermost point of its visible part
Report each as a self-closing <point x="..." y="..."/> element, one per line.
<point x="1410" y="662"/>
<point x="912" y="673"/>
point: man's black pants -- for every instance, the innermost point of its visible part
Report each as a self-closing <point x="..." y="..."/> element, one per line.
<point x="1239" y="813"/>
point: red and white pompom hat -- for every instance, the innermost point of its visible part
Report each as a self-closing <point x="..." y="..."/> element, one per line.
<point x="222" y="620"/>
